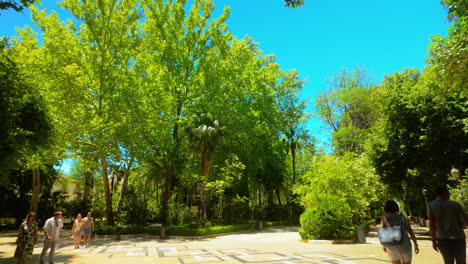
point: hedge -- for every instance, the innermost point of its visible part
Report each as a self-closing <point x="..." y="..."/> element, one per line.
<point x="178" y="230"/>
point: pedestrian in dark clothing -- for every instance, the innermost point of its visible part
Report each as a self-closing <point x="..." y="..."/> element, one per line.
<point x="446" y="221"/>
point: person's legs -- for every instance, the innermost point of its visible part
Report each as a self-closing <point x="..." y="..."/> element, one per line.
<point x="406" y="252"/>
<point x="393" y="254"/>
<point x="446" y="250"/>
<point x="44" y="249"/>
<point x="87" y="236"/>
<point x="459" y="248"/>
<point x="77" y="241"/>
<point x="52" y="251"/>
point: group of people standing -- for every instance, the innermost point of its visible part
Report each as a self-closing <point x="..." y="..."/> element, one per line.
<point x="28" y="235"/>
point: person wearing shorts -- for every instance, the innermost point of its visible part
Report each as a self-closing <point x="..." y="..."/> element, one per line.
<point x="88" y="227"/>
<point x="402" y="253"/>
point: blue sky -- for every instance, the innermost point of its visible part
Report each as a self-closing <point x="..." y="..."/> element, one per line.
<point x="322" y="37"/>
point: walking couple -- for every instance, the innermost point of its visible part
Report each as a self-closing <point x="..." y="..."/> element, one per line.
<point x="82" y="227"/>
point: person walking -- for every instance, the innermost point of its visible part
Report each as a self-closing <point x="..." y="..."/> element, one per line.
<point x="88" y="225"/>
<point x="446" y="221"/>
<point x="27" y="237"/>
<point x="51" y="229"/>
<point x="402" y="253"/>
<point x="77" y="230"/>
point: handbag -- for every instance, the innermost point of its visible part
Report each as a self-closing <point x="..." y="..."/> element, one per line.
<point x="390" y="235"/>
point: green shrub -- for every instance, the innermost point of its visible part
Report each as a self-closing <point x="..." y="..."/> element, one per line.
<point x="179" y="214"/>
<point x="178" y="230"/>
<point x="330" y="217"/>
<point x="134" y="207"/>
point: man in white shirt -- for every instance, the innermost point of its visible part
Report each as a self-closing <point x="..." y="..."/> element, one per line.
<point x="51" y="229"/>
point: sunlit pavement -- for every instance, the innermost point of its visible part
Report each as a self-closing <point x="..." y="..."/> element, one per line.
<point x="276" y="245"/>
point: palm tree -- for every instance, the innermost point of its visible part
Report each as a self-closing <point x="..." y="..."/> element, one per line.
<point x="204" y="136"/>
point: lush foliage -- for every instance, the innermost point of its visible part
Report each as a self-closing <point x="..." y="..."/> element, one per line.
<point x="171" y="119"/>
<point x="179" y="230"/>
<point x="327" y="217"/>
<point x="346" y="178"/>
<point x="167" y="115"/>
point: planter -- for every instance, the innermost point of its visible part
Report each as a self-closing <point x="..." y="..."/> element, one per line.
<point x="360" y="233"/>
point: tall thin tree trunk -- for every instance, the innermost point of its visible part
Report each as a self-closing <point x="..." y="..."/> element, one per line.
<point x="124" y="187"/>
<point x="36" y="189"/>
<point x="87" y="189"/>
<point x="165" y="199"/>
<point x="293" y="157"/>
<point x="203" y="168"/>
<point x="278" y="195"/>
<point x="105" y="182"/>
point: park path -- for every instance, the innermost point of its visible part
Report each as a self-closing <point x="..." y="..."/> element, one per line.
<point x="273" y="245"/>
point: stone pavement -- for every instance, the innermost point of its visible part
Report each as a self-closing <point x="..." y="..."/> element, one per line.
<point x="275" y="245"/>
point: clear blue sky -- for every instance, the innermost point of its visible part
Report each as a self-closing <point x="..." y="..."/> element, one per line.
<point x="323" y="37"/>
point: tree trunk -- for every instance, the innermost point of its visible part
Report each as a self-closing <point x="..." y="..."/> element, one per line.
<point x="204" y="168"/>
<point x="124" y="187"/>
<point x="105" y="182"/>
<point x="36" y="189"/>
<point x="165" y="199"/>
<point x="112" y="184"/>
<point x="87" y="189"/>
<point x="278" y="195"/>
<point x="293" y="157"/>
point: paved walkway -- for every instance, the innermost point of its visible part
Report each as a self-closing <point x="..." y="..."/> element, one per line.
<point x="277" y="245"/>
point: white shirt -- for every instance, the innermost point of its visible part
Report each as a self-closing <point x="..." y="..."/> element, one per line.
<point x="53" y="227"/>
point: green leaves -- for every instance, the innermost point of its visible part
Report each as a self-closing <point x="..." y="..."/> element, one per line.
<point x="294" y="3"/>
<point x="347" y="178"/>
<point x="347" y="108"/>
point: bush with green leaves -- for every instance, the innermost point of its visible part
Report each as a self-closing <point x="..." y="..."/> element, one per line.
<point x="349" y="178"/>
<point x="179" y="214"/>
<point x="329" y="217"/>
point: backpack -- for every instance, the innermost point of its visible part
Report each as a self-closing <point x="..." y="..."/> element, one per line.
<point x="391" y="235"/>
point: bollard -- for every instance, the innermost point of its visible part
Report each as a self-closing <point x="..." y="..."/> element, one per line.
<point x="360" y="234"/>
<point x="119" y="231"/>
<point x="162" y="233"/>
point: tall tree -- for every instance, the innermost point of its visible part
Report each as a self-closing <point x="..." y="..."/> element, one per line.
<point x="86" y="66"/>
<point x="27" y="128"/>
<point x="347" y="108"/>
<point x="420" y="135"/>
<point x="177" y="49"/>
<point x="204" y="136"/>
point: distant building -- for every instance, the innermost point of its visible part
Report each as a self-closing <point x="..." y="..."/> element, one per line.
<point x="67" y="186"/>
